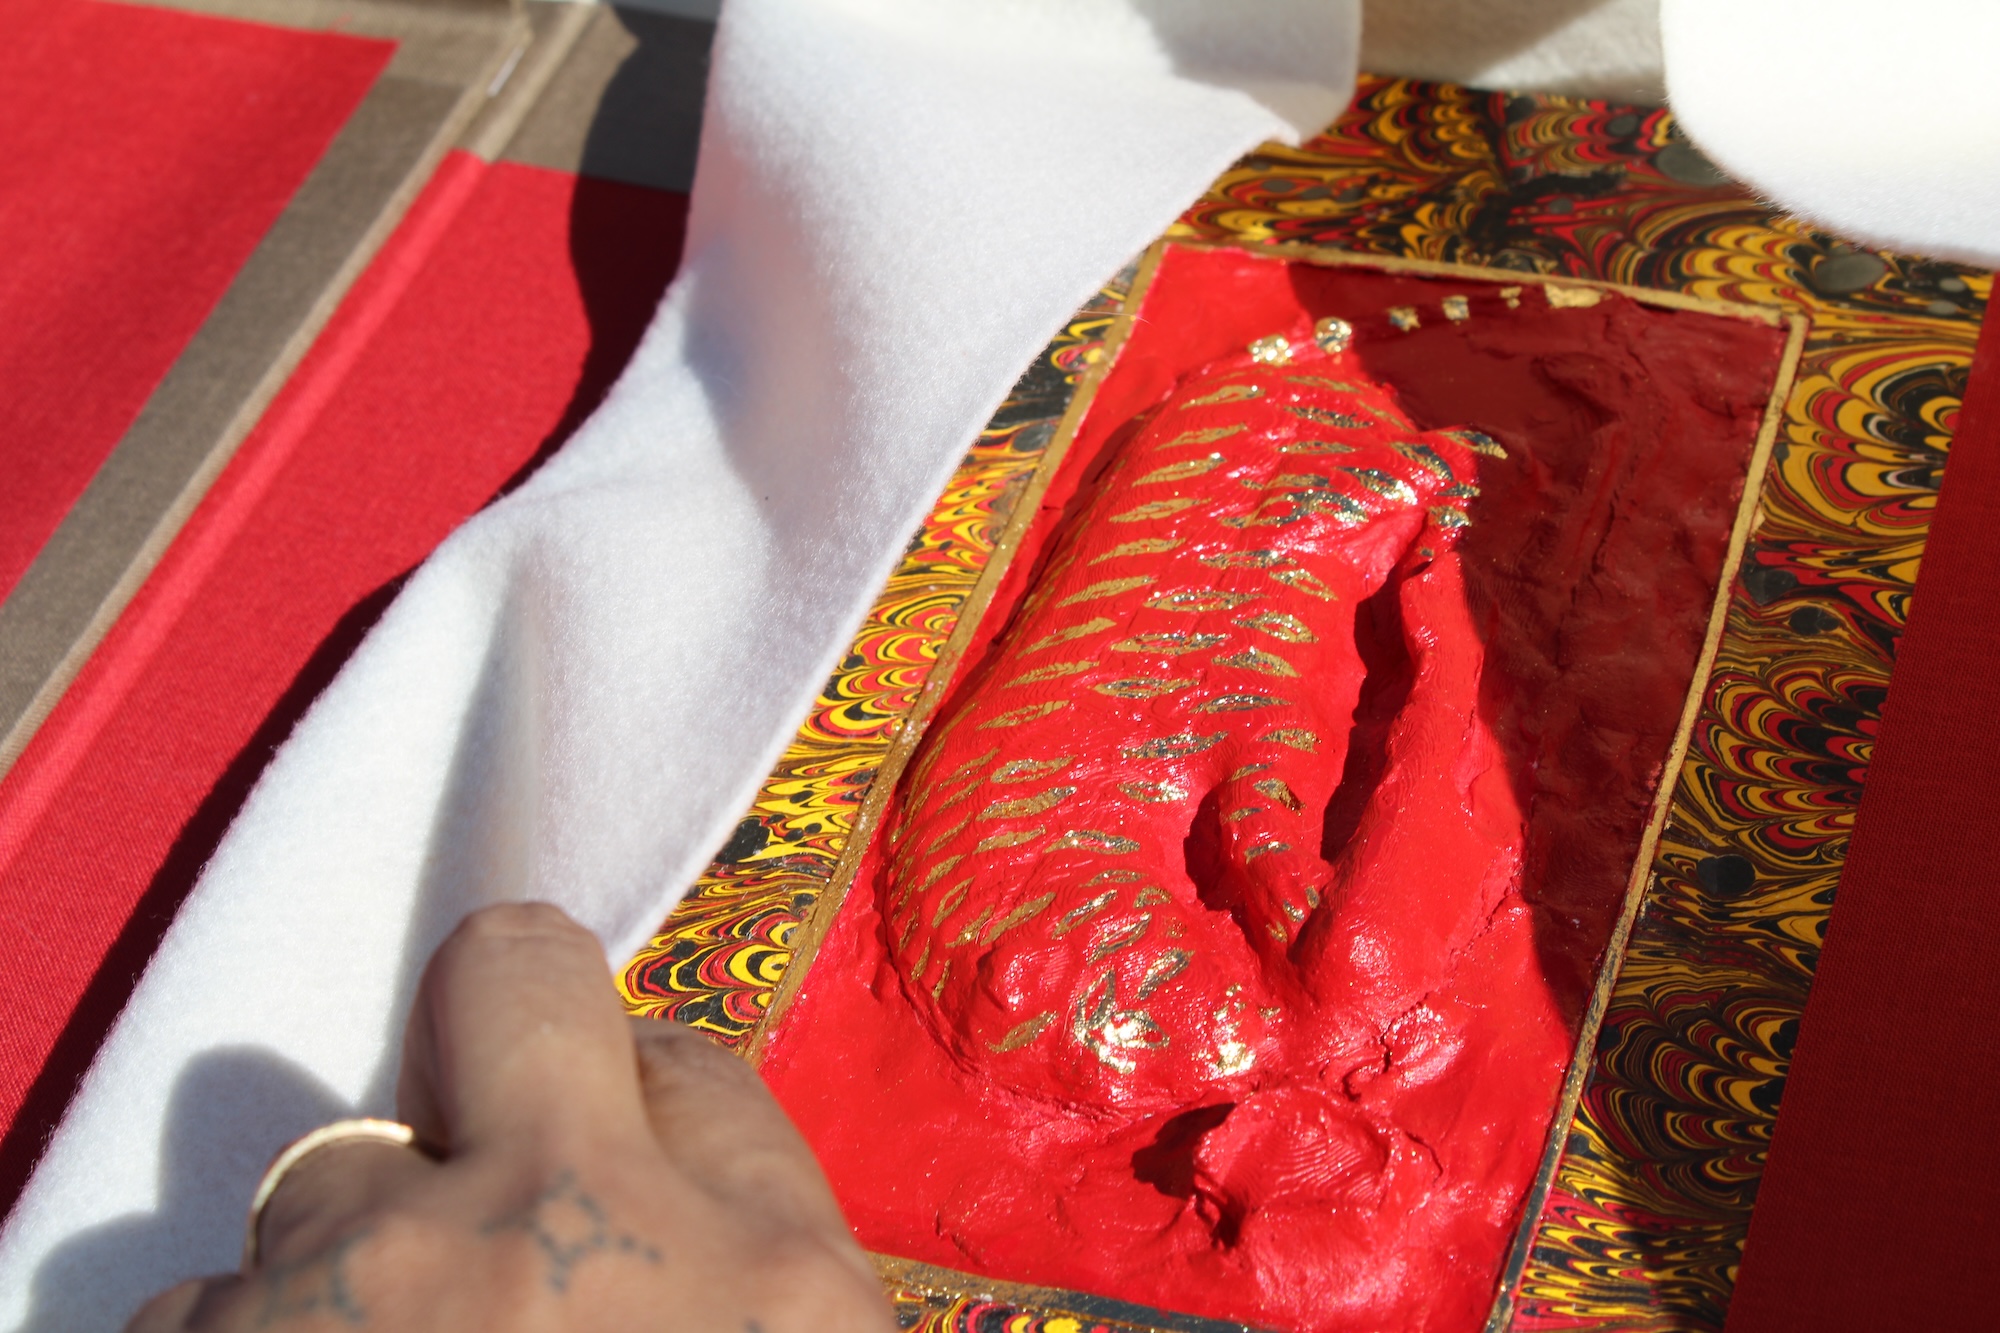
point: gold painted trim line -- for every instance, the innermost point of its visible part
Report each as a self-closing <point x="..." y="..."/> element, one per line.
<point x="1328" y="257"/>
<point x="1749" y="511"/>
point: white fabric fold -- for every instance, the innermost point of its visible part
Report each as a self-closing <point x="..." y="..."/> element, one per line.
<point x="1873" y="122"/>
<point x="898" y="204"/>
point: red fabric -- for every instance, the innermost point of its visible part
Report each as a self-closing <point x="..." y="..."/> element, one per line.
<point x="1880" y="1203"/>
<point x="132" y="188"/>
<point x="489" y="325"/>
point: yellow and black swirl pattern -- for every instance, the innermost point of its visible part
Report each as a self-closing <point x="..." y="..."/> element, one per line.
<point x="1650" y="1200"/>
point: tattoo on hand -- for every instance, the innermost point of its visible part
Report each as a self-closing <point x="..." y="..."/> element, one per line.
<point x="317" y="1285"/>
<point x="568" y="1225"/>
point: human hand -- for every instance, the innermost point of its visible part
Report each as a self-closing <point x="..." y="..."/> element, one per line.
<point x="591" y="1171"/>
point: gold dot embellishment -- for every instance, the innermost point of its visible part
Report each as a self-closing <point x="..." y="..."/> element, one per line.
<point x="1404" y="317"/>
<point x="1271" y="350"/>
<point x="1334" y="334"/>
<point x="1457" y="309"/>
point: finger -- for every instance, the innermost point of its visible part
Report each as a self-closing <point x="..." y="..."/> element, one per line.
<point x="517" y="1034"/>
<point x="328" y="1192"/>
<point x="178" y="1308"/>
<point x="720" y="1125"/>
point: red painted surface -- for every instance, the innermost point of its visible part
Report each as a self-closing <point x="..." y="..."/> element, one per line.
<point x="1879" y="1204"/>
<point x="132" y="188"/>
<point x="489" y="325"/>
<point x="1324" y="1117"/>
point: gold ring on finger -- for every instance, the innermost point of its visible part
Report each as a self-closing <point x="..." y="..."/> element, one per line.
<point x="392" y="1132"/>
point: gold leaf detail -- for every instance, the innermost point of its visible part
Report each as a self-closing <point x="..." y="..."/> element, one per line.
<point x="1279" y="791"/>
<point x="1142" y="546"/>
<point x="1170" y="964"/>
<point x="1170" y="643"/>
<point x="1153" y="792"/>
<point x="1447" y="517"/>
<point x="1424" y="457"/>
<point x="1025" y="770"/>
<point x="1571" y="298"/>
<point x="1256" y="659"/>
<point x="1011" y="838"/>
<point x="1193" y="467"/>
<point x="1239" y="703"/>
<point x="1228" y="393"/>
<point x="1028" y="805"/>
<point x="1022" y="1033"/>
<point x="1273" y="349"/>
<point x="1115" y="875"/>
<point x="946" y="836"/>
<point x="1234" y="815"/>
<point x="1325" y="417"/>
<point x="1156" y="509"/>
<point x="969" y="767"/>
<point x="1027" y="911"/>
<point x="1015" y="717"/>
<point x="1196" y="600"/>
<point x="1296" y="737"/>
<point x="1260" y="559"/>
<point x="1151" y="896"/>
<point x="1456" y="309"/>
<point x="1333" y="334"/>
<point x="1478" y="441"/>
<point x="1201" y="435"/>
<point x="1142" y="687"/>
<point x="1265" y="849"/>
<point x="964" y="937"/>
<point x="1306" y="582"/>
<point x="1315" y="447"/>
<point x="1322" y="382"/>
<point x="1070" y="632"/>
<point x="1385" y="484"/>
<point x="1104" y="588"/>
<point x="1094" y="840"/>
<point x="948" y="901"/>
<point x="1174" y="747"/>
<point x="1286" y="628"/>
<point x="1247" y="770"/>
<point x="1123" y="937"/>
<point x="937" y="872"/>
<point x="944" y="975"/>
<point x="1076" y="916"/>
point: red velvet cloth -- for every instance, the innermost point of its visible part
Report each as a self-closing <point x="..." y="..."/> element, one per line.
<point x="1881" y="1200"/>
<point x="490" y="324"/>
<point x="143" y="154"/>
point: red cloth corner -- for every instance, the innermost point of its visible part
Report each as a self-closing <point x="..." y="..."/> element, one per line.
<point x="489" y="326"/>
<point x="132" y="189"/>
<point x="1880" y="1205"/>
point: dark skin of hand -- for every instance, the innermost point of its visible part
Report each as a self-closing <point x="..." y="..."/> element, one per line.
<point x="596" y="1172"/>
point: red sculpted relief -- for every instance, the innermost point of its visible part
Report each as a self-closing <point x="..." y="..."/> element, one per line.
<point x="1120" y="879"/>
<point x="1223" y="945"/>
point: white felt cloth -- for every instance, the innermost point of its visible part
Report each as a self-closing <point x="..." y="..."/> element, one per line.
<point x="899" y="203"/>
<point x="1877" y="122"/>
